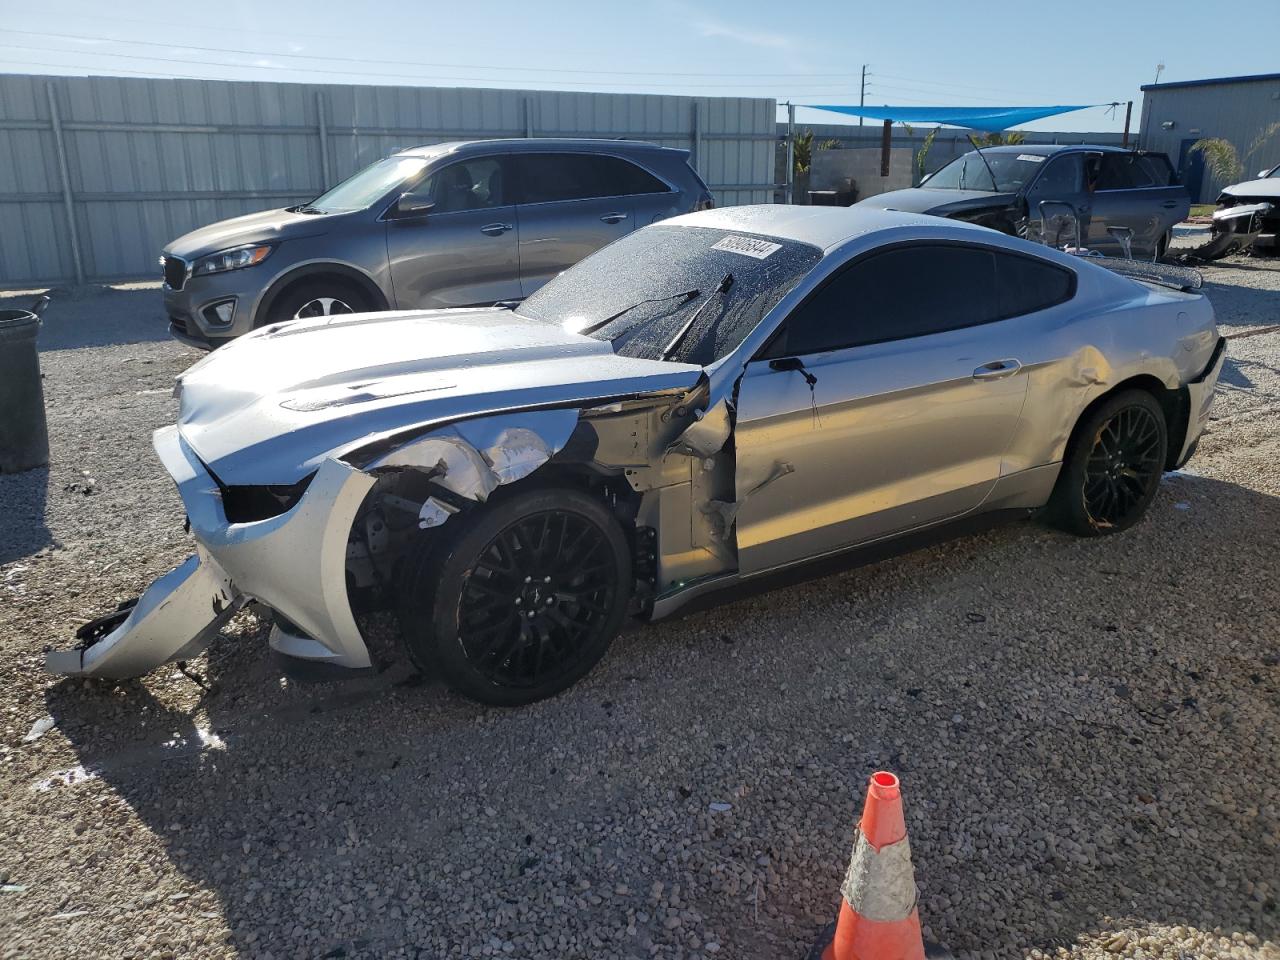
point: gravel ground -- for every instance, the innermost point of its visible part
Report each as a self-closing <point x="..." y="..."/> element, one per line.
<point x="1088" y="732"/>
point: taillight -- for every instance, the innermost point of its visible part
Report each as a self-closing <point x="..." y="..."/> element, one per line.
<point x="706" y="203"/>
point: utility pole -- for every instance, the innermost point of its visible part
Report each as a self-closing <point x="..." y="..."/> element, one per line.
<point x="862" y="98"/>
<point x="791" y="152"/>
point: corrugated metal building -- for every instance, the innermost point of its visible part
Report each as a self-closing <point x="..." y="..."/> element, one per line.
<point x="1243" y="110"/>
<point x="97" y="173"/>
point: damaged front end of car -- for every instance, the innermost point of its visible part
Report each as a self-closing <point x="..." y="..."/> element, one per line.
<point x="1238" y="225"/>
<point x="304" y="553"/>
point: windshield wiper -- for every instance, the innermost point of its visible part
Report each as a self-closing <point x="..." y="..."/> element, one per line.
<point x="592" y="328"/>
<point x="995" y="188"/>
<point x="722" y="287"/>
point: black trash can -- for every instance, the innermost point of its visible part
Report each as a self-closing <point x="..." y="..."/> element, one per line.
<point x="24" y="435"/>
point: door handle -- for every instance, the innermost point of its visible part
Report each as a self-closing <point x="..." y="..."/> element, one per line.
<point x="495" y="229"/>
<point x="997" y="370"/>
<point x="613" y="217"/>
<point x="1169" y="204"/>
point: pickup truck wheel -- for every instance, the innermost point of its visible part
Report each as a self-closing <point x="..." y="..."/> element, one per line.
<point x="1111" y="471"/>
<point x="524" y="600"/>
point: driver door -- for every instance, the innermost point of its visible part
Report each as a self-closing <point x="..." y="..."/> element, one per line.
<point x="465" y="250"/>
<point x="881" y="405"/>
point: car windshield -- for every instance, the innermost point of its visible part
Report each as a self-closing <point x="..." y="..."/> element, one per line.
<point x="1012" y="172"/>
<point x="369" y="185"/>
<point x="641" y="292"/>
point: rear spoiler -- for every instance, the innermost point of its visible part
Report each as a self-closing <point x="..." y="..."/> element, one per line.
<point x="1164" y="274"/>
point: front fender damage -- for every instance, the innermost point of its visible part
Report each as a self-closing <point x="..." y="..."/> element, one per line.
<point x="296" y="563"/>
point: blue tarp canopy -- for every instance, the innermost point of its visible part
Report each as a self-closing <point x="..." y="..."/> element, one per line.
<point x="975" y="118"/>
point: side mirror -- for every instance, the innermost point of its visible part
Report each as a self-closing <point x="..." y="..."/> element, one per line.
<point x="412" y="206"/>
<point x="1262" y="174"/>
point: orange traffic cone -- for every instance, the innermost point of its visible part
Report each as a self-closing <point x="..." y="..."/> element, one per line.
<point x="878" y="918"/>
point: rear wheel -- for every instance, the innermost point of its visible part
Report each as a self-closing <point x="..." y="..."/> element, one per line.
<point x="1110" y="474"/>
<point x="523" y="601"/>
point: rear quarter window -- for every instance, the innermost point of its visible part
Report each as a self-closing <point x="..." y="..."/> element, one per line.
<point x="1026" y="285"/>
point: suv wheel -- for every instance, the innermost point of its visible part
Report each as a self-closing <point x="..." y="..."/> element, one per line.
<point x="321" y="298"/>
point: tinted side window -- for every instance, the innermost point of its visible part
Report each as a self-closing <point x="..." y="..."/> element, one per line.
<point x="1061" y="176"/>
<point x="1026" y="285"/>
<point x="1122" y="171"/>
<point x="621" y="178"/>
<point x="906" y="292"/>
<point x="1158" y="168"/>
<point x="547" y="177"/>
<point x="466" y="185"/>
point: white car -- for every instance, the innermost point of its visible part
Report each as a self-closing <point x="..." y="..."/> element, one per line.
<point x="1248" y="215"/>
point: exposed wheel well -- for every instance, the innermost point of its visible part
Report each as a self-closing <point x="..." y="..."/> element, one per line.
<point x="1175" y="404"/>
<point x="317" y="272"/>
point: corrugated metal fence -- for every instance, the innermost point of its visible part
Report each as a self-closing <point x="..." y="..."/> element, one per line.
<point x="97" y="173"/>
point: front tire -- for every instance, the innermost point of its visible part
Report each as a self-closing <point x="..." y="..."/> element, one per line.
<point x="319" y="298"/>
<point x="1110" y="474"/>
<point x="523" y="600"/>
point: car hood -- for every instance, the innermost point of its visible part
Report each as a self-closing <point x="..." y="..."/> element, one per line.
<point x="263" y="227"/>
<point x="937" y="202"/>
<point x="1268" y="189"/>
<point x="269" y="407"/>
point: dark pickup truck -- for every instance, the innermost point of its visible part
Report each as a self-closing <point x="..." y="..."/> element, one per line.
<point x="1113" y="194"/>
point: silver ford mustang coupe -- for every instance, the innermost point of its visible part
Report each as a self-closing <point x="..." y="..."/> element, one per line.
<point x="704" y="402"/>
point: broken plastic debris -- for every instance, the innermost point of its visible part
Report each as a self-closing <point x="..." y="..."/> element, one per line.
<point x="12" y="888"/>
<point x="39" y="729"/>
<point x="1182" y="505"/>
<point x="719" y="806"/>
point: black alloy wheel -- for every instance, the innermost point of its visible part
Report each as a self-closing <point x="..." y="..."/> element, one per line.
<point x="1114" y="465"/>
<point x="523" y="600"/>
<point x="1126" y="460"/>
<point x="536" y="598"/>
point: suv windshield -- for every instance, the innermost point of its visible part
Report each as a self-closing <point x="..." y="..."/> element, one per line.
<point x="648" y="285"/>
<point x="370" y="184"/>
<point x="1012" y="172"/>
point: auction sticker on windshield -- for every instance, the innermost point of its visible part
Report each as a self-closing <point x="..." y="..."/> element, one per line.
<point x="1031" y="156"/>
<point x="747" y="246"/>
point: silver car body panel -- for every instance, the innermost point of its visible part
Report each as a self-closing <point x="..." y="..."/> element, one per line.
<point x="737" y="469"/>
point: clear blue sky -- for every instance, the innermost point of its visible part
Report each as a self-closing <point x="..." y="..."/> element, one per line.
<point x="925" y="52"/>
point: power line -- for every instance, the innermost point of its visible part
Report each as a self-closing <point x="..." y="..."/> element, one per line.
<point x="413" y="63"/>
<point x="328" y="71"/>
<point x="947" y="85"/>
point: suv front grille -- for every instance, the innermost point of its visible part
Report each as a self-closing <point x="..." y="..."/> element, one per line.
<point x="175" y="273"/>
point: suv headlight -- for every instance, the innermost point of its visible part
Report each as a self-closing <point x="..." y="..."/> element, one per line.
<point x="234" y="259"/>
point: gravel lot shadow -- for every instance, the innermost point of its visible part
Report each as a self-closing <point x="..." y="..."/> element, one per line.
<point x="1083" y="740"/>
<point x="22" y="501"/>
<point x="98" y="316"/>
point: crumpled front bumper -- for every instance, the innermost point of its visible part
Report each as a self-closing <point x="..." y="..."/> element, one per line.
<point x="294" y="563"/>
<point x="159" y="629"/>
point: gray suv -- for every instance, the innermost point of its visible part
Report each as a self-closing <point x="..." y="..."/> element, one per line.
<point x="449" y="225"/>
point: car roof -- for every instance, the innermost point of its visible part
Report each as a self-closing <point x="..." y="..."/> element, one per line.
<point x="823" y="227"/>
<point x="1047" y="149"/>
<point x="530" y="145"/>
